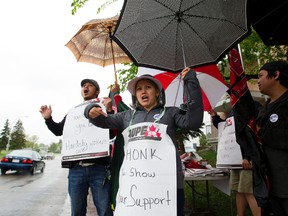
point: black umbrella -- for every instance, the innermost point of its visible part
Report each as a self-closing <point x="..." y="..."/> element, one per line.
<point x="269" y="19"/>
<point x="172" y="34"/>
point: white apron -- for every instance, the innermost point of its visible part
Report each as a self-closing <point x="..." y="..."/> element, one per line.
<point x="147" y="178"/>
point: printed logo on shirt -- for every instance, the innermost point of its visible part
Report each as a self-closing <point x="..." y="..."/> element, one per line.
<point x="229" y="122"/>
<point x="273" y="118"/>
<point x="144" y="133"/>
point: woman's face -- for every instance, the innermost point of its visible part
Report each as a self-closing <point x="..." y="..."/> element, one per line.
<point x="147" y="94"/>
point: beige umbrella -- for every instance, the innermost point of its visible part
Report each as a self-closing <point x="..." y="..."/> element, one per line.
<point x="93" y="44"/>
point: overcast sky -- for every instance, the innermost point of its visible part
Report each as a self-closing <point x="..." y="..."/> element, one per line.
<point x="35" y="65"/>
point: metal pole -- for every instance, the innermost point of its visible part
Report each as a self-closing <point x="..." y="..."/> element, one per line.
<point x="113" y="58"/>
<point x="8" y="143"/>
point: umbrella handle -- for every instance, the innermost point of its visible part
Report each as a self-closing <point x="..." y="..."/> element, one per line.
<point x="183" y="52"/>
<point x="110" y="37"/>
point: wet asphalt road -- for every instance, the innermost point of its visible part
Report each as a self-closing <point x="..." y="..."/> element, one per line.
<point x="37" y="195"/>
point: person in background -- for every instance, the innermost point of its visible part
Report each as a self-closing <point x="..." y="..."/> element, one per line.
<point x="149" y="102"/>
<point x="272" y="126"/>
<point x="241" y="181"/>
<point x="88" y="173"/>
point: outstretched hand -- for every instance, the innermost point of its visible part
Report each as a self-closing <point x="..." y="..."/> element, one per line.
<point x="46" y="111"/>
<point x="95" y="112"/>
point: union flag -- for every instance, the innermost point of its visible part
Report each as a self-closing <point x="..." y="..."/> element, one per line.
<point x="245" y="112"/>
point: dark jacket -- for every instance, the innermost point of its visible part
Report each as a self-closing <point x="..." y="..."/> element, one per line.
<point x="173" y="117"/>
<point x="273" y="122"/>
<point x="245" y="149"/>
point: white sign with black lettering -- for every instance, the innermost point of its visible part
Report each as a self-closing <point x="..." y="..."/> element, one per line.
<point x="81" y="139"/>
<point x="147" y="178"/>
<point x="228" y="150"/>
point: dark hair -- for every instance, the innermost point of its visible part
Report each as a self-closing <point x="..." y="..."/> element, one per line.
<point x="281" y="66"/>
<point x="91" y="81"/>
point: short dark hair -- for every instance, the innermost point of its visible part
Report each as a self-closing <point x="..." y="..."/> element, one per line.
<point x="281" y="66"/>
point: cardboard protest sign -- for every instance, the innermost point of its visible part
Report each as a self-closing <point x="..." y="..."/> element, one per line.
<point x="81" y="139"/>
<point x="228" y="150"/>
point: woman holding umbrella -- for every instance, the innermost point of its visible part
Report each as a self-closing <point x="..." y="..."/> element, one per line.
<point x="151" y="170"/>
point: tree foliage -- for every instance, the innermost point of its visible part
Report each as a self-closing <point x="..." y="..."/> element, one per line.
<point x="55" y="147"/>
<point x="254" y="54"/>
<point x="183" y="135"/>
<point x="19" y="140"/>
<point x="77" y="4"/>
<point x="18" y="137"/>
<point x="125" y="75"/>
<point x="4" y="136"/>
<point x="32" y="142"/>
<point x="203" y="140"/>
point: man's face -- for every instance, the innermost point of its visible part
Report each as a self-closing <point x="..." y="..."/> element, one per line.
<point x="88" y="91"/>
<point x="265" y="83"/>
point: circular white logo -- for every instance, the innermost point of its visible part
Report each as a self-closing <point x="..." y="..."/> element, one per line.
<point x="274" y="118"/>
<point x="157" y="116"/>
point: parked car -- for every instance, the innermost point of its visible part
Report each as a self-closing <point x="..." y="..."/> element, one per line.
<point x="49" y="156"/>
<point x="22" y="160"/>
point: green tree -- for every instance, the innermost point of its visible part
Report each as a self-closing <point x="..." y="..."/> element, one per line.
<point x="254" y="54"/>
<point x="56" y="147"/>
<point x="77" y="4"/>
<point x="126" y="74"/>
<point x="203" y="140"/>
<point x="4" y="136"/>
<point x="18" y="137"/>
<point x="32" y="142"/>
<point x="185" y="135"/>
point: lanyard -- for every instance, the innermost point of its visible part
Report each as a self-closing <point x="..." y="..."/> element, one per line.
<point x="156" y="120"/>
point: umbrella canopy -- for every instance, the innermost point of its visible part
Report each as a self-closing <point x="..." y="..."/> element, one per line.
<point x="211" y="81"/>
<point x="172" y="34"/>
<point x="93" y="44"/>
<point x="269" y="19"/>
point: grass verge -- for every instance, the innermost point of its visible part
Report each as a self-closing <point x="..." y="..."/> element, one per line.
<point x="221" y="204"/>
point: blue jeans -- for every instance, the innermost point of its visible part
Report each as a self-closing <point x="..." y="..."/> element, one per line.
<point x="79" y="180"/>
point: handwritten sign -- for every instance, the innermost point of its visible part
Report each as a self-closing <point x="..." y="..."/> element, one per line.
<point x="147" y="179"/>
<point x="228" y="150"/>
<point x="81" y="139"/>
